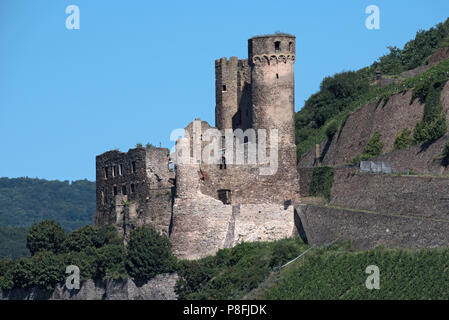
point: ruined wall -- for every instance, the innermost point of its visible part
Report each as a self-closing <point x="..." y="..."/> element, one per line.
<point x="247" y="185"/>
<point x="137" y="192"/>
<point x="226" y="95"/>
<point x="203" y="224"/>
<point x="322" y="225"/>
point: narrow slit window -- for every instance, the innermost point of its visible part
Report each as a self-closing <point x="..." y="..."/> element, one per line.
<point x="115" y="190"/>
<point x="124" y="190"/>
<point x="224" y="88"/>
<point x="277" y="75"/>
<point x="133" y="188"/>
<point x="222" y="165"/>
<point x="120" y="170"/>
<point x="133" y="165"/>
<point x="106" y="172"/>
<point x="114" y="171"/>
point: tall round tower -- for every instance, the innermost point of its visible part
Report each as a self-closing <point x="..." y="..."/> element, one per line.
<point x="273" y="87"/>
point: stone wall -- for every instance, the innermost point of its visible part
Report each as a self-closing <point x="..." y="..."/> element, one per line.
<point x="203" y="224"/>
<point x="160" y="287"/>
<point x="418" y="196"/>
<point x="134" y="189"/>
<point x="368" y="230"/>
<point x="305" y="176"/>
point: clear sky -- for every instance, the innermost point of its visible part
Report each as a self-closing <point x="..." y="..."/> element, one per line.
<point x="136" y="70"/>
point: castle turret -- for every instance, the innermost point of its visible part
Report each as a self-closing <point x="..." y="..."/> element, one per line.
<point x="225" y="92"/>
<point x="272" y="85"/>
<point x="232" y="93"/>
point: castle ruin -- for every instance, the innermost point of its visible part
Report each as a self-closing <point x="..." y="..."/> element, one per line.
<point x="203" y="206"/>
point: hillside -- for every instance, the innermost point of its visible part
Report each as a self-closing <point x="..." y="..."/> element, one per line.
<point x="326" y="111"/>
<point x="336" y="272"/>
<point x="24" y="201"/>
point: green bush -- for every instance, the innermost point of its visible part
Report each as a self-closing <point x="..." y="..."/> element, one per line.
<point x="332" y="129"/>
<point x="430" y="131"/>
<point x="233" y="272"/>
<point x="433" y="124"/>
<point x="111" y="262"/>
<point x="321" y="182"/>
<point x="282" y="253"/>
<point x="47" y="235"/>
<point x="403" y="140"/>
<point x="373" y="148"/>
<point x="90" y="236"/>
<point x="148" y="254"/>
<point x="43" y="270"/>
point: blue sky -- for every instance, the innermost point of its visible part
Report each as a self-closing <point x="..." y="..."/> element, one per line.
<point x="136" y="70"/>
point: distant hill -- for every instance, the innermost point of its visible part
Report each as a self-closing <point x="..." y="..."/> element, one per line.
<point x="13" y="242"/>
<point x="24" y="201"/>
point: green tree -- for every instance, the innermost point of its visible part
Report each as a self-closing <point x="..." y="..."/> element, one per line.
<point x="111" y="261"/>
<point x="46" y="235"/>
<point x="90" y="236"/>
<point x="148" y="254"/>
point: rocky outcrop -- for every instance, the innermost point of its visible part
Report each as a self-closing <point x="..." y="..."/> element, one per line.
<point x="160" y="287"/>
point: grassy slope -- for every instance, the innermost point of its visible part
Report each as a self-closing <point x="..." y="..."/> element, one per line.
<point x="337" y="272"/>
<point x="340" y="274"/>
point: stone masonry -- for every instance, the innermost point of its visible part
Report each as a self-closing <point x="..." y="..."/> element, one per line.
<point x="204" y="206"/>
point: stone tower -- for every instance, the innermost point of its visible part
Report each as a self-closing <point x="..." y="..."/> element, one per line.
<point x="232" y="93"/>
<point x="271" y="59"/>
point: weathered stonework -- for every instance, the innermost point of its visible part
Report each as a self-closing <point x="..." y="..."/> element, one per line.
<point x="219" y="204"/>
<point x="135" y="189"/>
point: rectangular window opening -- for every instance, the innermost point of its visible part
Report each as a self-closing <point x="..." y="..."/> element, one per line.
<point x="133" y="188"/>
<point x="115" y="190"/>
<point x="133" y="165"/>
<point x="224" y="88"/>
<point x="124" y="190"/>
<point x="277" y="45"/>
<point x="106" y="172"/>
<point x="224" y="196"/>
<point x="120" y="170"/>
